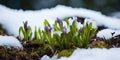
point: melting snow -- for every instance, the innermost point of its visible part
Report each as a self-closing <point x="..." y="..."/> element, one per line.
<point x="108" y="33"/>
<point x="10" y="41"/>
<point x="90" y="54"/>
<point x="116" y="14"/>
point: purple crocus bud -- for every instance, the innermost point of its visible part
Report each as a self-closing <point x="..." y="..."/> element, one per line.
<point x="25" y="25"/>
<point x="48" y="29"/>
<point x="64" y="30"/>
<point x="75" y="19"/>
<point x="58" y="20"/>
<point x="81" y="29"/>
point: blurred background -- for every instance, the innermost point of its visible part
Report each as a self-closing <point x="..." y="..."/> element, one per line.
<point x="105" y="6"/>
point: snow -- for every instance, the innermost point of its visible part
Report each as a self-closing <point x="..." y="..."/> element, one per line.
<point x="10" y="41"/>
<point x="115" y="14"/>
<point x="94" y="24"/>
<point x="45" y="57"/>
<point x="36" y="18"/>
<point x="90" y="54"/>
<point x="107" y="33"/>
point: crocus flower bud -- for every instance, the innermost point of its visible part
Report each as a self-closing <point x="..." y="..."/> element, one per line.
<point x="58" y="20"/>
<point x="64" y="30"/>
<point x="75" y="19"/>
<point x="81" y="29"/>
<point x="48" y="29"/>
<point x="25" y="25"/>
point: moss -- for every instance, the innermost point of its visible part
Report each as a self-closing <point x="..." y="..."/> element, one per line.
<point x="98" y="44"/>
<point x="66" y="53"/>
<point x="3" y="53"/>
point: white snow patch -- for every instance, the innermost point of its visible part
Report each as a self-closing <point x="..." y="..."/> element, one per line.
<point x="116" y="14"/>
<point x="45" y="57"/>
<point x="107" y="33"/>
<point x="94" y="24"/>
<point x="91" y="54"/>
<point x="10" y="41"/>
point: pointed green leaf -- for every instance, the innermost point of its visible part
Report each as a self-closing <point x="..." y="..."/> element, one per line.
<point x="46" y="23"/>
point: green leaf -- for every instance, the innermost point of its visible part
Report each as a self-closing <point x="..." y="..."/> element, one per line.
<point x="36" y="34"/>
<point x="30" y="36"/>
<point x="90" y="25"/>
<point x="61" y="26"/>
<point x="93" y="31"/>
<point x="56" y="28"/>
<point x="46" y="23"/>
<point x="29" y="30"/>
<point x="67" y="21"/>
<point x="21" y="30"/>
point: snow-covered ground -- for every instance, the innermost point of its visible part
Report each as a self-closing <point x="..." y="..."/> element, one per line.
<point x="115" y="14"/>
<point x="12" y="19"/>
<point x="10" y="41"/>
<point x="90" y="54"/>
<point x="107" y="33"/>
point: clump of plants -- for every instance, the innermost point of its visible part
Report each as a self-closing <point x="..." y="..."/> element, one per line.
<point x="98" y="43"/>
<point x="58" y="37"/>
<point x="26" y="32"/>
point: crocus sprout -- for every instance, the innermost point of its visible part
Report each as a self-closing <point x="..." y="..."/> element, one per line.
<point x="75" y="19"/>
<point x="48" y="29"/>
<point x="64" y="30"/>
<point x="81" y="29"/>
<point x="25" y="25"/>
<point x="58" y="20"/>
